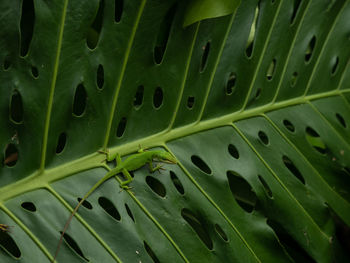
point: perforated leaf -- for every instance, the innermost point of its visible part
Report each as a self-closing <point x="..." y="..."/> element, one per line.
<point x="255" y="105"/>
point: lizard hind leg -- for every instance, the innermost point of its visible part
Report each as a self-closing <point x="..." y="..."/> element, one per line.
<point x="128" y="180"/>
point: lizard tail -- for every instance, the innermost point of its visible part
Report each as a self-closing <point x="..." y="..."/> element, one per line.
<point x="107" y="176"/>
<point x="65" y="228"/>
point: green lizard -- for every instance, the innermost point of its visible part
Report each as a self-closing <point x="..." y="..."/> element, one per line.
<point x="131" y="163"/>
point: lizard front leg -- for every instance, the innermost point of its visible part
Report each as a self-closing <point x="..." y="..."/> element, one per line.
<point x="153" y="169"/>
<point x="110" y="157"/>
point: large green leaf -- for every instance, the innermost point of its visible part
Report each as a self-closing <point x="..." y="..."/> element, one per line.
<point x="254" y="105"/>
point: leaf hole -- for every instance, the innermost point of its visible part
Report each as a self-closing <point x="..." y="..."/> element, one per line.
<point x="335" y="65"/>
<point x="177" y="183"/>
<point x="108" y="206"/>
<point x="138" y="99"/>
<point x="35" y="72"/>
<point x="190" y="102"/>
<point x="341" y="120"/>
<point x="233" y="151"/>
<point x="293" y="169"/>
<point x="289" y="126"/>
<point x="94" y="31"/>
<point x="100" y="77"/>
<point x="197" y="161"/>
<point x="121" y="127"/>
<point x="342" y="231"/>
<point x="62" y="139"/>
<point x="221" y="232"/>
<point x="293" y="248"/>
<point x="241" y="191"/>
<point x="252" y="33"/>
<point x="346" y="170"/>
<point x="296" y="4"/>
<point x="271" y="70"/>
<point x="73" y="245"/>
<point x="27" y="25"/>
<point x="294" y="79"/>
<point x="231" y="84"/>
<point x="85" y="203"/>
<point x="7" y="64"/>
<point x="310" y="49"/>
<point x="129" y="212"/>
<point x="263" y="137"/>
<point x="315" y="140"/>
<point x="118" y="10"/>
<point x="29" y="206"/>
<point x="9" y="245"/>
<point x="150" y="252"/>
<point x="258" y="93"/>
<point x="156" y="186"/>
<point x="16" y="107"/>
<point x="266" y="186"/>
<point x="158" y="53"/>
<point x="343" y="172"/>
<point x="312" y="132"/>
<point x="205" y="55"/>
<point x="163" y="35"/>
<point x="11" y="155"/>
<point x="198" y="226"/>
<point x="79" y="103"/>
<point x="158" y="98"/>
<point x="249" y="49"/>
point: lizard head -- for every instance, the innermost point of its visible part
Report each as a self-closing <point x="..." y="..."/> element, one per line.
<point x="166" y="157"/>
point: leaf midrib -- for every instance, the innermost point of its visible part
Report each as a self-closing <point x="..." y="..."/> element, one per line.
<point x="93" y="160"/>
<point x="42" y="180"/>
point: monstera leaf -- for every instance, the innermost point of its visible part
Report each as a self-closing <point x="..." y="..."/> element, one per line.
<point x="254" y="104"/>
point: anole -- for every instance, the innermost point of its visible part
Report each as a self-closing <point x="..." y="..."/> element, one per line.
<point x="131" y="163"/>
